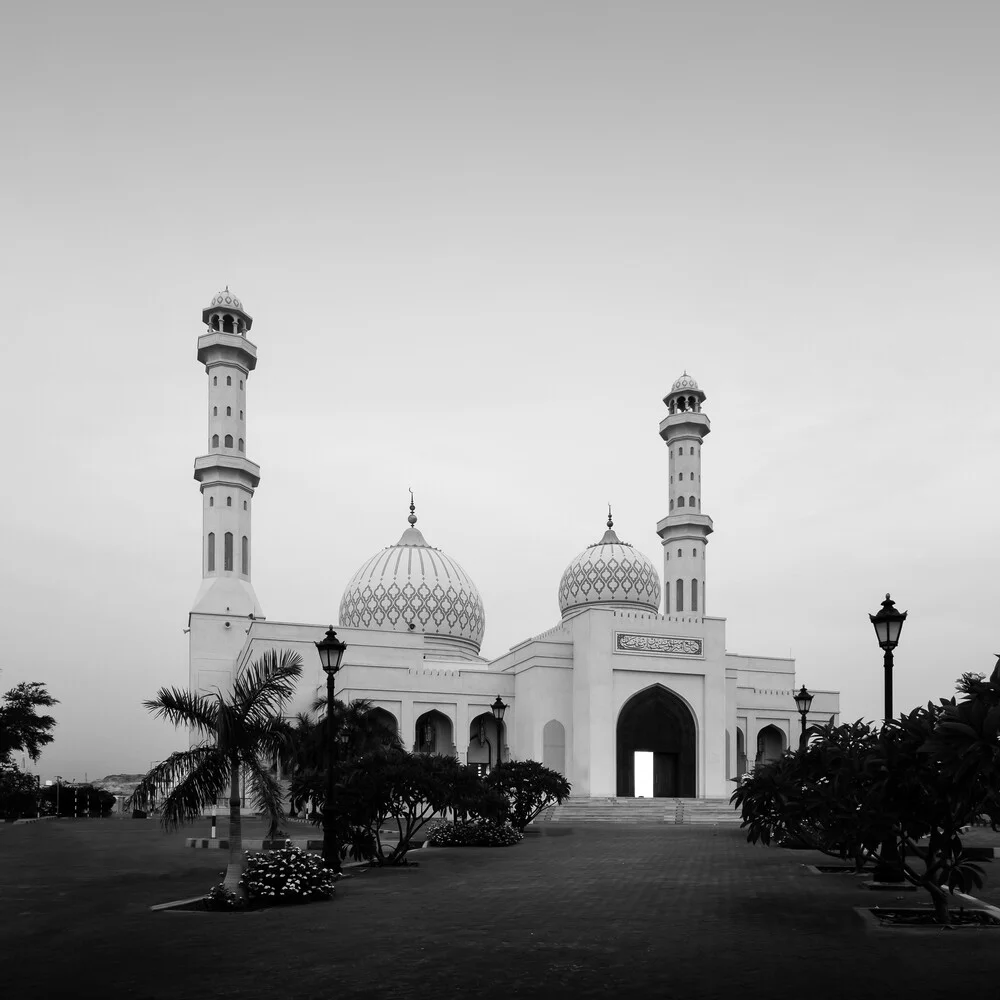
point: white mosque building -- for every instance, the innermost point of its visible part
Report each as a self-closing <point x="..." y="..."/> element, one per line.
<point x="630" y="668"/>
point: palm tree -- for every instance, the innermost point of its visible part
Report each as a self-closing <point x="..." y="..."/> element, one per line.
<point x="242" y="730"/>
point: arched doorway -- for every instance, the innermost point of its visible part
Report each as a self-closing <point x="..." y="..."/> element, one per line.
<point x="657" y="721"/>
<point x="741" y="753"/>
<point x="433" y="734"/>
<point x="483" y="742"/>
<point x="554" y="746"/>
<point x="383" y="722"/>
<point x="770" y="744"/>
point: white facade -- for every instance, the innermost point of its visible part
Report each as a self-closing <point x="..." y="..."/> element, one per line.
<point x="630" y="667"/>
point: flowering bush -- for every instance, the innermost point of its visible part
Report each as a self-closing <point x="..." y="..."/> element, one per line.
<point x="221" y="898"/>
<point x="477" y="833"/>
<point x="287" y="875"/>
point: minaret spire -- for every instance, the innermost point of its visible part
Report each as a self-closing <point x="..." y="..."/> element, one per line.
<point x="685" y="530"/>
<point x="413" y="516"/>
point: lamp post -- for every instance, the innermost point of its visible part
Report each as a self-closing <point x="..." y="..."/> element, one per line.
<point x="499" y="708"/>
<point x="803" y="702"/>
<point x="331" y="655"/>
<point x="59" y="779"/>
<point x="888" y="624"/>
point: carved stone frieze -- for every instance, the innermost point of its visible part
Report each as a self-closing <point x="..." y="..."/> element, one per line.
<point x="670" y="645"/>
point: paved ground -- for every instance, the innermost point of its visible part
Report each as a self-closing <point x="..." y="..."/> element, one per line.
<point x="664" y="911"/>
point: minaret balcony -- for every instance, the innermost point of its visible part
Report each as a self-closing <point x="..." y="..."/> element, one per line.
<point x="215" y="346"/>
<point x="209" y="468"/>
<point x="685" y="525"/>
<point x="688" y="423"/>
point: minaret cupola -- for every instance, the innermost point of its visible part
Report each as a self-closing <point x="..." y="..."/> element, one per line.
<point x="684" y="531"/>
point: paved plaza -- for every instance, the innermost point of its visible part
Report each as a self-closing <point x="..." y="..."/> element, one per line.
<point x="658" y="911"/>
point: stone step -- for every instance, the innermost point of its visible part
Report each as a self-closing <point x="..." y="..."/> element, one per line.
<point x="713" y="811"/>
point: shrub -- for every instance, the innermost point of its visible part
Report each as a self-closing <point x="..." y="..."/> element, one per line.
<point x="477" y="833"/>
<point x="222" y="899"/>
<point x="287" y="875"/>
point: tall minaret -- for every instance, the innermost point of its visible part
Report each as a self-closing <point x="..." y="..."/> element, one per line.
<point x="685" y="530"/>
<point x="228" y="480"/>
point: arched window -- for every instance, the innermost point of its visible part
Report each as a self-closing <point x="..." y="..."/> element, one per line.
<point x="671" y="505"/>
<point x="691" y="502"/>
<point x="680" y="595"/>
<point x="215" y="322"/>
<point x="668" y="557"/>
<point x="241" y="414"/>
<point x="680" y="501"/>
<point x="215" y="411"/>
<point x="241" y="383"/>
<point x="680" y="476"/>
<point x="229" y="501"/>
<point x="694" y="552"/>
<point x="244" y="505"/>
<point x="241" y="444"/>
<point x="245" y="555"/>
<point x="692" y="451"/>
<point x="227" y="324"/>
<point x="211" y="552"/>
<point x="211" y="501"/>
<point x="215" y="380"/>
<point x="229" y="411"/>
<point x="215" y="440"/>
<point x="679" y="553"/>
<point x="694" y="595"/>
<point x="229" y="440"/>
<point x="227" y="558"/>
<point x="229" y="380"/>
<point x="666" y="598"/>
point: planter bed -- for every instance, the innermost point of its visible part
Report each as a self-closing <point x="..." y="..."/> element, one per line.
<point x="920" y="919"/>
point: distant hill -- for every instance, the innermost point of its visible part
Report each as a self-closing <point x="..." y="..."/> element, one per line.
<point x="118" y="779"/>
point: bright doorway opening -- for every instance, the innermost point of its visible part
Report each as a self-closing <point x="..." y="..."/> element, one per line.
<point x="643" y="774"/>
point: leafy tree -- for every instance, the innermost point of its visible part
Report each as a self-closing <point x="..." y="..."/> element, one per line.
<point x="528" y="787"/>
<point x="17" y="793"/>
<point x="22" y="728"/>
<point x="241" y="733"/>
<point x="919" y="780"/>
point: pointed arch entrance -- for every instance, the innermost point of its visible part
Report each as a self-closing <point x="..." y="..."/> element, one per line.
<point x="656" y="720"/>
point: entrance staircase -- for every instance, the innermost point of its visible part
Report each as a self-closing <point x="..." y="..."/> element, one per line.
<point x="705" y="812"/>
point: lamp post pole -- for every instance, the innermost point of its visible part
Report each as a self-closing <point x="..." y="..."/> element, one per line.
<point x="498" y="708"/>
<point x="331" y="654"/>
<point x="803" y="702"/>
<point x="888" y="624"/>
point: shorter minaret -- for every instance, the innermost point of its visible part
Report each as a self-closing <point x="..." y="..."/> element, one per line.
<point x="685" y="530"/>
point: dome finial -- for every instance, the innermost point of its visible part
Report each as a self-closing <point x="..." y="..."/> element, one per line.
<point x="413" y="517"/>
<point x="611" y="523"/>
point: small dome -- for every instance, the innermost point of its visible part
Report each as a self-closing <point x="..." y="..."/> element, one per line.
<point x="227" y="301"/>
<point x="609" y="573"/>
<point x="684" y="382"/>
<point x="413" y="587"/>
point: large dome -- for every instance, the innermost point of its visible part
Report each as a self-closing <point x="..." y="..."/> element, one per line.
<point x="609" y="573"/>
<point x="413" y="587"/>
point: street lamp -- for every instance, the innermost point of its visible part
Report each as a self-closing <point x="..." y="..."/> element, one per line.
<point x="803" y="702"/>
<point x="888" y="624"/>
<point x="499" y="708"/>
<point x="331" y="655"/>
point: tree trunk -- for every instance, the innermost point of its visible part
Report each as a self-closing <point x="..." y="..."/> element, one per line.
<point x="234" y="870"/>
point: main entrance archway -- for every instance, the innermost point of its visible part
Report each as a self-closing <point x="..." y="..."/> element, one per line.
<point x="656" y="720"/>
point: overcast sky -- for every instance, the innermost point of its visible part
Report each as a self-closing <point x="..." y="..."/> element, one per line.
<point x="479" y="242"/>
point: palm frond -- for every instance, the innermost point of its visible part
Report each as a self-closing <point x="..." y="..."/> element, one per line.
<point x="265" y="792"/>
<point x="185" y="708"/>
<point x="187" y="781"/>
<point x="267" y="683"/>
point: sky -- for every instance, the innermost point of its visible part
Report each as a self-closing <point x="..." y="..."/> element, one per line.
<point x="479" y="243"/>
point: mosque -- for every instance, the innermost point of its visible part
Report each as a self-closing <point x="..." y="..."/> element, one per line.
<point x="632" y="674"/>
